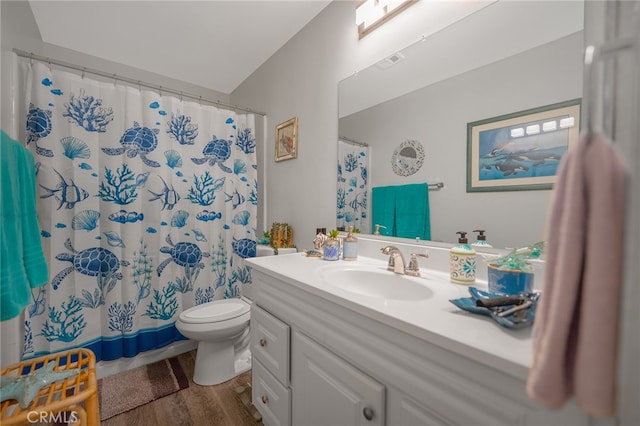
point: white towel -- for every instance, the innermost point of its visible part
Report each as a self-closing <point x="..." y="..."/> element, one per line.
<point x="576" y="328"/>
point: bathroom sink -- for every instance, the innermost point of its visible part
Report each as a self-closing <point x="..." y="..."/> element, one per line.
<point x="378" y="283"/>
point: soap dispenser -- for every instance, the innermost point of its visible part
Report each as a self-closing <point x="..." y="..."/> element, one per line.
<point x="481" y="240"/>
<point x="350" y="246"/>
<point x="462" y="261"/>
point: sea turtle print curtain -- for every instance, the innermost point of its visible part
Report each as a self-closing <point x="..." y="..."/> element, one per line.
<point x="353" y="186"/>
<point x="147" y="206"/>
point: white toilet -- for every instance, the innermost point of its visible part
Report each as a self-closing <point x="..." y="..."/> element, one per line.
<point x="222" y="329"/>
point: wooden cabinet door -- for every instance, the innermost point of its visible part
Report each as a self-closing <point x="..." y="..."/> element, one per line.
<point x="327" y="390"/>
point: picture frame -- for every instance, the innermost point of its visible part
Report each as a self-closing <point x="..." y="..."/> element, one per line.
<point x="287" y="140"/>
<point x="521" y="150"/>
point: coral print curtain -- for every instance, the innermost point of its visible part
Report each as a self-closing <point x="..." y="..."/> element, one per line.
<point x="147" y="205"/>
<point x="353" y="168"/>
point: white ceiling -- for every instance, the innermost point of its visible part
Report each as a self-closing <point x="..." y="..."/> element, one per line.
<point x="213" y="44"/>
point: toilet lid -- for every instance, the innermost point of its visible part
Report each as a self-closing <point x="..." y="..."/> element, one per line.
<point x="216" y="311"/>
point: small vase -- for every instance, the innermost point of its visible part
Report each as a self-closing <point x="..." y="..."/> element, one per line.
<point x="331" y="249"/>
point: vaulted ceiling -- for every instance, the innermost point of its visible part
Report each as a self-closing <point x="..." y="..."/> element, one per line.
<point x="213" y="44"/>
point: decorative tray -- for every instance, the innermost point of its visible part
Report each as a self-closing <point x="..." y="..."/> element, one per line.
<point x="513" y="311"/>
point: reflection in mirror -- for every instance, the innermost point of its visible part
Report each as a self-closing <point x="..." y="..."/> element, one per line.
<point x="490" y="63"/>
<point x="407" y="158"/>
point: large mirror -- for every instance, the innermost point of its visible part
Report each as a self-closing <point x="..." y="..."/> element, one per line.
<point x="504" y="58"/>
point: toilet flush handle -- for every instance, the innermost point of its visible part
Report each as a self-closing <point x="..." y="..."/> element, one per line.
<point x="263" y="342"/>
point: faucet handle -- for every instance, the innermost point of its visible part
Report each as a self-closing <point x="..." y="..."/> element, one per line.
<point x="414" y="268"/>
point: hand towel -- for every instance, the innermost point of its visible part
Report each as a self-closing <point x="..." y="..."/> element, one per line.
<point x="22" y="265"/>
<point x="383" y="209"/>
<point x="412" y="211"/>
<point x="575" y="338"/>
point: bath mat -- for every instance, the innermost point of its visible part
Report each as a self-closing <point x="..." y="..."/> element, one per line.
<point x="131" y="389"/>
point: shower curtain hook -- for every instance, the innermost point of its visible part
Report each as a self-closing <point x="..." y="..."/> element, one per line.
<point x="200" y="100"/>
<point x="115" y="79"/>
<point x="31" y="59"/>
<point x="83" y="71"/>
<point x="180" y="96"/>
<point x="589" y="58"/>
<point x="160" y="90"/>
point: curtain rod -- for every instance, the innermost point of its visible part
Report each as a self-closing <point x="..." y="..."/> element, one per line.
<point x="352" y="141"/>
<point x="160" y="89"/>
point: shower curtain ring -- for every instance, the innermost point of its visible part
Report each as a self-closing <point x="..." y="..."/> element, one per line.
<point x="160" y="90"/>
<point x="83" y="71"/>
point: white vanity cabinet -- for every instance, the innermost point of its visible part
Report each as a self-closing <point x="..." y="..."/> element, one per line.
<point x="330" y="391"/>
<point x="349" y="366"/>
<point x="270" y="349"/>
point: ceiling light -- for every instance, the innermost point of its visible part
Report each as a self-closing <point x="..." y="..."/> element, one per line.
<point x="370" y="14"/>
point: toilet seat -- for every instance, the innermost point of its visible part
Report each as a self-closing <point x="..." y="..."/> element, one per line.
<point x="216" y="311"/>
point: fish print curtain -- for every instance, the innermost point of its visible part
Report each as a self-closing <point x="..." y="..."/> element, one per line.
<point x="353" y="187"/>
<point x="147" y="206"/>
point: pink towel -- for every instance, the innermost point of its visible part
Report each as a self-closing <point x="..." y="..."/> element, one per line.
<point x="575" y="337"/>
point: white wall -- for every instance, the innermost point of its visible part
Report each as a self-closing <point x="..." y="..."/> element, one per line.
<point x="301" y="80"/>
<point x="437" y="117"/>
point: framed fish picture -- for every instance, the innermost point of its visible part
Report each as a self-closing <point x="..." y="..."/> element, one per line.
<point x="287" y="140"/>
<point x="521" y="150"/>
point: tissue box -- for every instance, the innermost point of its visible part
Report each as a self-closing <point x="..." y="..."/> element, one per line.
<point x="509" y="281"/>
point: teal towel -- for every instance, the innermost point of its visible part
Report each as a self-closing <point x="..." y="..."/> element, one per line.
<point x="412" y="217"/>
<point x="23" y="264"/>
<point x="383" y="209"/>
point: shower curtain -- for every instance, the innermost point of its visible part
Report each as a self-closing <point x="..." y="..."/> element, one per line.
<point x="353" y="187"/>
<point x="147" y="206"/>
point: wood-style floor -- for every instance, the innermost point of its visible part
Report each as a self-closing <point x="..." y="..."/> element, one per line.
<point x="219" y="405"/>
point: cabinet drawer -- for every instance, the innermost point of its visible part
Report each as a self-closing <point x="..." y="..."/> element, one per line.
<point x="270" y="343"/>
<point x="269" y="396"/>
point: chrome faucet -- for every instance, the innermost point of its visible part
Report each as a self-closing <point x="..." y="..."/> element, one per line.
<point x="414" y="269"/>
<point x="396" y="259"/>
<point x="397" y="262"/>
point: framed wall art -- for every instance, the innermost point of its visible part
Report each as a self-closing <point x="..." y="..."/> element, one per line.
<point x="522" y="150"/>
<point x="287" y="140"/>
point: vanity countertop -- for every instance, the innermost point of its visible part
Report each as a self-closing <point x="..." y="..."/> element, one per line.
<point x="435" y="319"/>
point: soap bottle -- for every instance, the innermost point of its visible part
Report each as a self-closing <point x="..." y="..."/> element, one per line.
<point x="350" y="246"/>
<point x="462" y="261"/>
<point x="481" y="240"/>
<point x="377" y="231"/>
